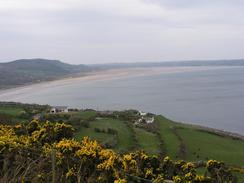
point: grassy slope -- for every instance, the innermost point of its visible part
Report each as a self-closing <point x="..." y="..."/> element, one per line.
<point x="171" y="143"/>
<point x="200" y="145"/>
<point x="84" y="114"/>
<point x="210" y="146"/>
<point x="125" y="141"/>
<point x="13" y="111"/>
<point x="147" y="141"/>
<point x="89" y="132"/>
<point x="26" y="71"/>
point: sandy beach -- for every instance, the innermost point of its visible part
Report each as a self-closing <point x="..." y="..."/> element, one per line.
<point x="109" y="75"/>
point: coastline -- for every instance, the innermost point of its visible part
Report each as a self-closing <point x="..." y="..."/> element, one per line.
<point x="111" y="74"/>
<point x="94" y="76"/>
<point x="121" y="74"/>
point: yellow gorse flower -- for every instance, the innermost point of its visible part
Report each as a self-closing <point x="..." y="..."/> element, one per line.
<point x="87" y="160"/>
<point x="68" y="146"/>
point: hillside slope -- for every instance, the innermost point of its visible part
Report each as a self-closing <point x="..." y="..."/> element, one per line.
<point x="26" y="71"/>
<point x="120" y="131"/>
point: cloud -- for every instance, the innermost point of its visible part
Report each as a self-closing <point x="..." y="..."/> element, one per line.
<point x="81" y="31"/>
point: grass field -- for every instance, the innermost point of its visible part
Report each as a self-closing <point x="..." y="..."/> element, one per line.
<point x="125" y="141"/>
<point x="89" y="132"/>
<point x="84" y="114"/>
<point x="147" y="141"/>
<point x="13" y="111"/>
<point x="199" y="145"/>
<point x="169" y="137"/>
<point x="171" y="143"/>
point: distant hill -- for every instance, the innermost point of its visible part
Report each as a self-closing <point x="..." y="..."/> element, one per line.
<point x="231" y="62"/>
<point x="24" y="71"/>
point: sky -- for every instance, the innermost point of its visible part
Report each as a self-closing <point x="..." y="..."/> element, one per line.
<point x="104" y="31"/>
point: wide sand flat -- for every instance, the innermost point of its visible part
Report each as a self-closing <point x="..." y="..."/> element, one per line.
<point x="108" y="75"/>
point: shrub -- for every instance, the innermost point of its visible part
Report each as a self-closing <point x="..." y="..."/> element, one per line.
<point x="49" y="154"/>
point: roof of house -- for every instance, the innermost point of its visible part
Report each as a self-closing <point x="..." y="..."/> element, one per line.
<point x="59" y="107"/>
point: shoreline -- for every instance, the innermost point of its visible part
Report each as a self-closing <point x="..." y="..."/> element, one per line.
<point x="122" y="74"/>
<point x="112" y="74"/>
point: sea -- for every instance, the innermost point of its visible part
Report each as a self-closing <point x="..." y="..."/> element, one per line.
<point x="210" y="97"/>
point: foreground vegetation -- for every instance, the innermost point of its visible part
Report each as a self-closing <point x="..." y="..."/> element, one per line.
<point x="46" y="152"/>
<point x="116" y="130"/>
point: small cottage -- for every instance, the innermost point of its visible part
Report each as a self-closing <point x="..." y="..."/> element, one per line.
<point x="149" y="120"/>
<point x="142" y="113"/>
<point x="58" y="109"/>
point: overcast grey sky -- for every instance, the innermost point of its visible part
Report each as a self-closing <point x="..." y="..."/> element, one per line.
<point x="98" y="31"/>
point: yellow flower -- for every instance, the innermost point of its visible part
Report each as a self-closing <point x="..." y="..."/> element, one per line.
<point x="144" y="156"/>
<point x="177" y="179"/>
<point x="120" y="181"/>
<point x="68" y="146"/>
<point x="109" y="157"/>
<point x="149" y="173"/>
<point x="88" y="148"/>
<point x="70" y="173"/>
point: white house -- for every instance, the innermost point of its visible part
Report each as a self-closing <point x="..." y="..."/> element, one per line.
<point x="145" y="119"/>
<point x="149" y="120"/>
<point x="142" y="113"/>
<point x="58" y="109"/>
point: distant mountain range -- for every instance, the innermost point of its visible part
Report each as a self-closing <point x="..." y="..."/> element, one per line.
<point x="232" y="62"/>
<point x="27" y="71"/>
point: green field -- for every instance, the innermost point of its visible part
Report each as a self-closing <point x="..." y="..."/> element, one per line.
<point x="147" y="141"/>
<point x="125" y="141"/>
<point x="201" y="145"/>
<point x="89" y="132"/>
<point x="171" y="143"/>
<point x="222" y="148"/>
<point x="177" y="140"/>
<point x="10" y="114"/>
<point x="13" y="111"/>
<point x="85" y="115"/>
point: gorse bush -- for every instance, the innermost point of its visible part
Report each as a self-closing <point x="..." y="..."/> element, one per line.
<point x="47" y="152"/>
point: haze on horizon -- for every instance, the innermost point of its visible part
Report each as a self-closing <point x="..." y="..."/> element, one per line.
<point x="99" y="31"/>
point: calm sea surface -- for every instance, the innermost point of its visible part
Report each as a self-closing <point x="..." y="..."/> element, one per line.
<point x="213" y="98"/>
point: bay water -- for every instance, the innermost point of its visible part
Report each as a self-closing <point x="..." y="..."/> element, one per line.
<point x="212" y="98"/>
